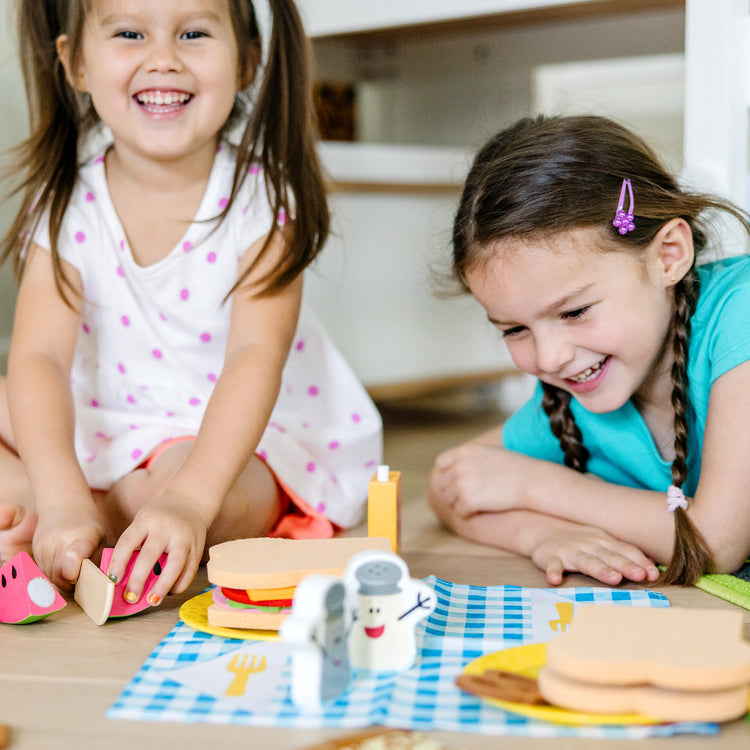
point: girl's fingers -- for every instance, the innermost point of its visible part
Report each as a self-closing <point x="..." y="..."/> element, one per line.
<point x="188" y="572"/>
<point x="126" y="545"/>
<point x="554" y="571"/>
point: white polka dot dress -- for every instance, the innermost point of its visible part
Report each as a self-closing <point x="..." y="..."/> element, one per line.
<point x="152" y="340"/>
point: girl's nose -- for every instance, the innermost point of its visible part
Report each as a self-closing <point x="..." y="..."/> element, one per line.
<point x="553" y="353"/>
<point x="163" y="57"/>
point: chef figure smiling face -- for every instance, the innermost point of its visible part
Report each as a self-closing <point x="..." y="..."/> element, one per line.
<point x="386" y="604"/>
<point x="379" y="597"/>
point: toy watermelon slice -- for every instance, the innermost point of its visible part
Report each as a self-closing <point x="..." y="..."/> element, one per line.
<point x="26" y="595"/>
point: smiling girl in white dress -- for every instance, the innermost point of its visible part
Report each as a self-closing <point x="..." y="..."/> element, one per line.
<point x="165" y="392"/>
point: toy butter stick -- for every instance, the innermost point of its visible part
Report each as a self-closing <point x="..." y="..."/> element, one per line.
<point x="384" y="506"/>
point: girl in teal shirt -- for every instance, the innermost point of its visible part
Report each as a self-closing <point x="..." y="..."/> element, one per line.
<point x="582" y="249"/>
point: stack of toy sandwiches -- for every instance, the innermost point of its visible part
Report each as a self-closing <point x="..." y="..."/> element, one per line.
<point x="670" y="664"/>
<point x="255" y="579"/>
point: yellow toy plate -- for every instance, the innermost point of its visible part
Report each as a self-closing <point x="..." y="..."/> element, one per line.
<point x="527" y="661"/>
<point x="195" y="613"/>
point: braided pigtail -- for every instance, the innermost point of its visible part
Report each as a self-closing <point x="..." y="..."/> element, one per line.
<point x="691" y="556"/>
<point x="556" y="405"/>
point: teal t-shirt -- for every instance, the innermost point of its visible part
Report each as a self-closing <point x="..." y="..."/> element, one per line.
<point x="621" y="448"/>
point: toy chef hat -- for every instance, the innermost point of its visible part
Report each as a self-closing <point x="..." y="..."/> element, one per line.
<point x="378" y="578"/>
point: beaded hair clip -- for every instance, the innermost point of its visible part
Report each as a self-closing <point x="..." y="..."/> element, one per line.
<point x="624" y="220"/>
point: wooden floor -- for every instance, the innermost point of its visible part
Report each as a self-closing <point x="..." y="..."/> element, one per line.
<point x="58" y="677"/>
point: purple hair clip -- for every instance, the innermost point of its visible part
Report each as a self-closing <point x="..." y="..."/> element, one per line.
<point x="624" y="221"/>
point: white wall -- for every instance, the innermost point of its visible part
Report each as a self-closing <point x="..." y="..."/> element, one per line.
<point x="12" y="130"/>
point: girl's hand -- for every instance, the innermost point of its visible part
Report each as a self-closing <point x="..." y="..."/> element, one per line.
<point x="594" y="553"/>
<point x="64" y="537"/>
<point x="173" y="524"/>
<point x="477" y="478"/>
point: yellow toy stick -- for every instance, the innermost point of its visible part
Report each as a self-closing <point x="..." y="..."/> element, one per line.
<point x="384" y="506"/>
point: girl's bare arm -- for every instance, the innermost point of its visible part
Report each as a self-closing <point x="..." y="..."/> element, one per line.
<point x="41" y="408"/>
<point x="510" y="480"/>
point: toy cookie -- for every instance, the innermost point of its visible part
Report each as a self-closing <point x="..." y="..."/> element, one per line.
<point x="671" y="664"/>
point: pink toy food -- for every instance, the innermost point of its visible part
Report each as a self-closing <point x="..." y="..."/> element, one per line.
<point x="121" y="608"/>
<point x="26" y="595"/>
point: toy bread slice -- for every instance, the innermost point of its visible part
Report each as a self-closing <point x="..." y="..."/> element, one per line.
<point x="682" y="649"/>
<point x="270" y="563"/>
<point x="654" y="702"/>
<point x="245" y="619"/>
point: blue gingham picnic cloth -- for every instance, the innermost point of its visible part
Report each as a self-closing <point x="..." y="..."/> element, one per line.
<point x="468" y="621"/>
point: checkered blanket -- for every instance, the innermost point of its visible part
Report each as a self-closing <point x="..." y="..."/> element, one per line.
<point x="185" y="677"/>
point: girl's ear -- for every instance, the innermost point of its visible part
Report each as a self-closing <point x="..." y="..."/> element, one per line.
<point x="674" y="251"/>
<point x="246" y="75"/>
<point x="76" y="78"/>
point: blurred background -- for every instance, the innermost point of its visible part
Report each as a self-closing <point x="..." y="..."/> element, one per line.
<point x="408" y="90"/>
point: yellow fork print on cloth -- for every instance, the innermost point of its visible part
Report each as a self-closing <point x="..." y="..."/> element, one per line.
<point x="243" y="666"/>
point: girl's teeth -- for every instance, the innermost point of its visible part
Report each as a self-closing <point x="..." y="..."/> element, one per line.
<point x="159" y="98"/>
<point x="588" y="374"/>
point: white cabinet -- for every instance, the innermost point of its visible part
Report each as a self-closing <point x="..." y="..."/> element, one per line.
<point x="435" y="79"/>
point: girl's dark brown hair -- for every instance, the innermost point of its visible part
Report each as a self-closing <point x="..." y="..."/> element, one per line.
<point x="546" y="175"/>
<point x="279" y="134"/>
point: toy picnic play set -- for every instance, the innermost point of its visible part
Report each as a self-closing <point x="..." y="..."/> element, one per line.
<point x="336" y="633"/>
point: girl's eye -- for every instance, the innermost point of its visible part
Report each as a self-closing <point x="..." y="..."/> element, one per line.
<point x="129" y="35"/>
<point x="194" y="34"/>
<point x="577" y="313"/>
<point x="511" y="332"/>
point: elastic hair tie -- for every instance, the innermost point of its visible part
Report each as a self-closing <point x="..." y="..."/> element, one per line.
<point x="675" y="499"/>
<point x="624" y="220"/>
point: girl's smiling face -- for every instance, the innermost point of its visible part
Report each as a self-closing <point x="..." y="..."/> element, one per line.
<point x="162" y="75"/>
<point x="594" y="323"/>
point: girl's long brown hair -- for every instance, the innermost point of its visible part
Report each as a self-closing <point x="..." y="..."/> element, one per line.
<point x="547" y="175"/>
<point x="279" y="133"/>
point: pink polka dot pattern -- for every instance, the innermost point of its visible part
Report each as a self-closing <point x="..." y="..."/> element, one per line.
<point x="160" y="352"/>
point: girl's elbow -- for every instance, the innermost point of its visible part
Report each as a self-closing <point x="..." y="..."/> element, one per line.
<point x="727" y="561"/>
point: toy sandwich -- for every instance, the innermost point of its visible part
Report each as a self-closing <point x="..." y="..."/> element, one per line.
<point x="255" y="579"/>
<point x="668" y="663"/>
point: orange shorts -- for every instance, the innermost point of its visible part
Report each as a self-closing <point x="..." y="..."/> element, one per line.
<point x="297" y="521"/>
